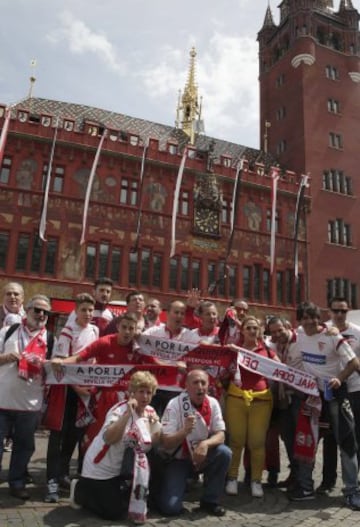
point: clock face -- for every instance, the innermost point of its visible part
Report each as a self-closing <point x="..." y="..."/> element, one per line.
<point x="207" y="221"/>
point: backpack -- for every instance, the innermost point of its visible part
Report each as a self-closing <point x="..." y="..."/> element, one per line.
<point x="49" y="338"/>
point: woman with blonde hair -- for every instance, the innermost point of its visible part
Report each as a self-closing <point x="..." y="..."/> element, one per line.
<point x="112" y="483"/>
<point x="248" y="411"/>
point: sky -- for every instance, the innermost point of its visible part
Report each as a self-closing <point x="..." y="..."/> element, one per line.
<point x="132" y="57"/>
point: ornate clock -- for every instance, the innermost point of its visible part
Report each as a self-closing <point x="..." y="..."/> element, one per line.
<point x="206" y="221"/>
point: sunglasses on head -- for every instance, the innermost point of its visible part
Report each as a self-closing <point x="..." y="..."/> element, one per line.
<point x="343" y="311"/>
<point x="39" y="310"/>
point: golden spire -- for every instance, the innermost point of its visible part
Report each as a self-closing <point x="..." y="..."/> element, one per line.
<point x="188" y="104"/>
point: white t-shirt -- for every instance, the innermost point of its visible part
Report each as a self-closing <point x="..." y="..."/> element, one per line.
<point x="352" y="335"/>
<point x="324" y="356"/>
<point x="73" y="338"/>
<point x="162" y="331"/>
<point x="172" y="420"/>
<point x="195" y="337"/>
<point x="15" y="392"/>
<point x="110" y="464"/>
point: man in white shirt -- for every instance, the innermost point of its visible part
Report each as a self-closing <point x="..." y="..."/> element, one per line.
<point x="193" y="437"/>
<point x="331" y="360"/>
<point x="64" y="434"/>
<point x="21" y="388"/>
<point x="174" y="330"/>
<point x="338" y="309"/>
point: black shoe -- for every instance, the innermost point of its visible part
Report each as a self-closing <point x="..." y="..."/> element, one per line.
<point x="20" y="493"/>
<point x="289" y="483"/>
<point x="29" y="480"/>
<point x="325" y="488"/>
<point x="65" y="483"/>
<point x="301" y="495"/>
<point x="214" y="509"/>
<point x="272" y="479"/>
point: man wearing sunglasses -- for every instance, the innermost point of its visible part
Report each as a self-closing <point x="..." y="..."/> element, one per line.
<point x="21" y="389"/>
<point x="338" y="309"/>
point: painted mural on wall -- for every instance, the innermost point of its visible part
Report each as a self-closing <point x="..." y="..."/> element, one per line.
<point x="253" y="214"/>
<point x="102" y="189"/>
<point x="155" y="196"/>
<point x="71" y="261"/>
<point x="25" y="174"/>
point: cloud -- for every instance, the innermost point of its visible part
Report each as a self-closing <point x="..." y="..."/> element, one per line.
<point x="227" y="76"/>
<point x="81" y="40"/>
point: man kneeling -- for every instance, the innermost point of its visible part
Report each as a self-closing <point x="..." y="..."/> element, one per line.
<point x="115" y="474"/>
<point x="193" y="439"/>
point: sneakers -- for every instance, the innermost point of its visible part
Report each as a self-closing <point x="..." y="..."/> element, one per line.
<point x="64" y="482"/>
<point x="73" y="503"/>
<point x="231" y="487"/>
<point x="52" y="495"/>
<point x="325" y="488"/>
<point x="353" y="501"/>
<point x="256" y="489"/>
<point x="8" y="445"/>
<point x="214" y="509"/>
<point x="301" y="495"/>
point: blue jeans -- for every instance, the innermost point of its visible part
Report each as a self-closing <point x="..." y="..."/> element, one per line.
<point x="171" y="495"/>
<point x="288" y="420"/>
<point x="349" y="463"/>
<point x="23" y="426"/>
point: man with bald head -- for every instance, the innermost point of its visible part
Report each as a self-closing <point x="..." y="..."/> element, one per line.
<point x="13" y="298"/>
<point x="173" y="330"/>
<point x="193" y="437"/>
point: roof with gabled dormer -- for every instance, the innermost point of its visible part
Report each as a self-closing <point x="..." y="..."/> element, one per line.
<point x="145" y="129"/>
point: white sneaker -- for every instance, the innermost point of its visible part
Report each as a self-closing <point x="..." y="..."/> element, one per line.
<point x="231" y="487"/>
<point x="256" y="489"/>
<point x="73" y="503"/>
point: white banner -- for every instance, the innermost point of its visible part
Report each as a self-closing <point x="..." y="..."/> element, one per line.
<point x="277" y="371"/>
<point x="86" y="374"/>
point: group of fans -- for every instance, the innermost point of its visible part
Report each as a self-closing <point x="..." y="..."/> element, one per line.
<point x="140" y="443"/>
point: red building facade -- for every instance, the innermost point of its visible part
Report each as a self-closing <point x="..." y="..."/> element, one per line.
<point x="61" y="267"/>
<point x="310" y="120"/>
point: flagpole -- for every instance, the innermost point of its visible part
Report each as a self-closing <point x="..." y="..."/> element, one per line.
<point x="234" y="208"/>
<point x="275" y="179"/>
<point x="4" y="133"/>
<point x="89" y="185"/>
<point x="299" y="199"/>
<point x="141" y="198"/>
<point x="176" y="201"/>
<point x="42" y="225"/>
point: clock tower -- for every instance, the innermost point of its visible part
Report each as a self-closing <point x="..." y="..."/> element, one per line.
<point x="310" y="120"/>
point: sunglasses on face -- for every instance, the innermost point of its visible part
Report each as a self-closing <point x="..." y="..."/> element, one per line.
<point x="39" y="310"/>
<point x="343" y="311"/>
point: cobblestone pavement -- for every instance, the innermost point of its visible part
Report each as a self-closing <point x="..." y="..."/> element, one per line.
<point x="273" y="510"/>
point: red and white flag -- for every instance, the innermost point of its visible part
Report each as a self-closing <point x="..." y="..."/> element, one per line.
<point x="176" y="202"/>
<point x="90" y="184"/>
<point x="274" y="185"/>
<point x="42" y="226"/>
<point x="138" y="226"/>
<point x="304" y="183"/>
<point x="4" y="133"/>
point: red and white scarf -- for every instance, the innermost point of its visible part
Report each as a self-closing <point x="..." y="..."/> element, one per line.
<point x="203" y="419"/>
<point x="33" y="354"/>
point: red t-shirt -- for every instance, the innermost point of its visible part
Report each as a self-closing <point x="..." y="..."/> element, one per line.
<point x="106" y="350"/>
<point x="254" y="381"/>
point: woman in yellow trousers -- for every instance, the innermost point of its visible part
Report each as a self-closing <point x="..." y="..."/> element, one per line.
<point x="248" y="412"/>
